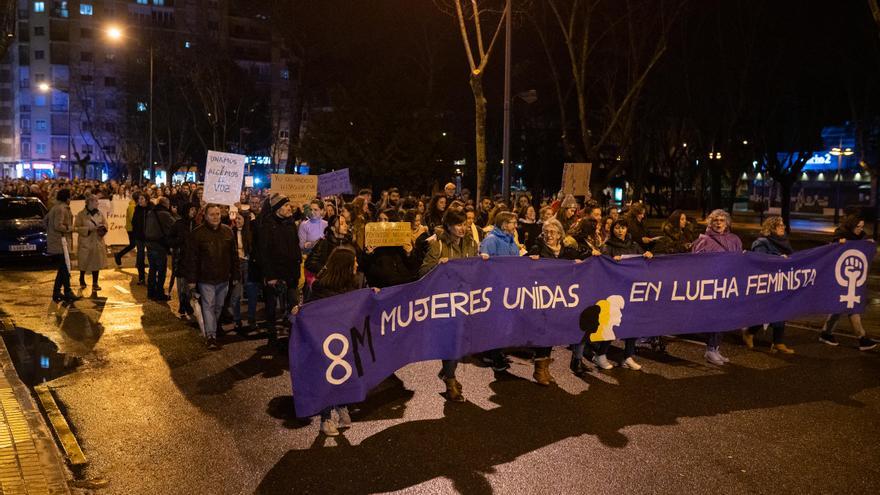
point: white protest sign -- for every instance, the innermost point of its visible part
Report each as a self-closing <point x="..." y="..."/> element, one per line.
<point x="388" y="234"/>
<point x="224" y="173"/>
<point x="249" y="181"/>
<point x="115" y="213"/>
<point x="336" y="182"/>
<point x="300" y="189"/>
<point x="576" y="179"/>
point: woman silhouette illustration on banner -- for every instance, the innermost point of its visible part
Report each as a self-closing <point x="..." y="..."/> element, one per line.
<point x="599" y="320"/>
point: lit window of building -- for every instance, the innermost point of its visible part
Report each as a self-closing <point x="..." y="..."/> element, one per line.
<point x="39" y="6"/>
<point x="86" y="9"/>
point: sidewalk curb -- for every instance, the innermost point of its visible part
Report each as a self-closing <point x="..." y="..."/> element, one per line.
<point x="44" y="470"/>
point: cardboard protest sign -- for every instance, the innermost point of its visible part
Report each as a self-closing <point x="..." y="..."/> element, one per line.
<point x="115" y="213"/>
<point x="336" y="182"/>
<point x="388" y="234"/>
<point x="576" y="179"/>
<point x="300" y="189"/>
<point x="224" y="173"/>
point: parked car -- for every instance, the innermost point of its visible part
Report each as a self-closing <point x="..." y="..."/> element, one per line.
<point x="22" y="227"/>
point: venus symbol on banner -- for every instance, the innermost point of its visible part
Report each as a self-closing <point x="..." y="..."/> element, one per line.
<point x="851" y="272"/>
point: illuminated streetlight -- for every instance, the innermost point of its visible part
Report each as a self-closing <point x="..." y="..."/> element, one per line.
<point x="115" y="34"/>
<point x="45" y="87"/>
<point x="839" y="152"/>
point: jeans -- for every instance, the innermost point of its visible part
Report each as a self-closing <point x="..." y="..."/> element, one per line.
<point x="248" y="287"/>
<point x="629" y="348"/>
<point x="182" y="294"/>
<point x="714" y="340"/>
<point x="158" y="256"/>
<point x="212" y="303"/>
<point x="577" y="350"/>
<point x="62" y="277"/>
<point x="778" y="331"/>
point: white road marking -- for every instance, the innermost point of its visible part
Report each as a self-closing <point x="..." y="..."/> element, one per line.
<point x="122" y="289"/>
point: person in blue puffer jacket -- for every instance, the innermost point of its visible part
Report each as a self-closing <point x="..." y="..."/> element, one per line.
<point x="500" y="242"/>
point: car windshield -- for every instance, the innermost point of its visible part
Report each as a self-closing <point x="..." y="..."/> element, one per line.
<point x="19" y="209"/>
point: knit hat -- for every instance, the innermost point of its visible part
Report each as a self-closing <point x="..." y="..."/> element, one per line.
<point x="569" y="202"/>
<point x="276" y="201"/>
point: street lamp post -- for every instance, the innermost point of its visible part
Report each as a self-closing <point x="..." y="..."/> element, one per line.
<point x="46" y="88"/>
<point x="839" y="152"/>
<point x="505" y="167"/>
<point x="115" y="34"/>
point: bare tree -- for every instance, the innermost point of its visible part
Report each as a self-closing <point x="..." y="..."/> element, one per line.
<point x="478" y="49"/>
<point x="586" y="26"/>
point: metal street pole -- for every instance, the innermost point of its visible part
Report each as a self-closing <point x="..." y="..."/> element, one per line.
<point x="150" y="154"/>
<point x="69" y="136"/>
<point x="505" y="169"/>
<point x="837" y="190"/>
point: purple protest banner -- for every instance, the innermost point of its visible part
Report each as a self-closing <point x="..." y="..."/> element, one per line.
<point x="343" y="346"/>
<point x="336" y="182"/>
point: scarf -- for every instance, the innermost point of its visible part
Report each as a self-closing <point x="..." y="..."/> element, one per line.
<point x="781" y="243"/>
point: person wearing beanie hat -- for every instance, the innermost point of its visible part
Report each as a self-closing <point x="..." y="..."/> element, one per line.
<point x="279" y="259"/>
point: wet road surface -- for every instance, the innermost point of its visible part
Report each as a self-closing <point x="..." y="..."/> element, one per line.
<point x="157" y="413"/>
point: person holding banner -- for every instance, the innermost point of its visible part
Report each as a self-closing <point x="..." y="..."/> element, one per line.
<point x="617" y="246"/>
<point x="852" y="228"/>
<point x="549" y="245"/>
<point x="451" y="243"/>
<point x="385" y="266"/>
<point x="59" y="239"/>
<point x="500" y="242"/>
<point x="279" y="257"/>
<point x="91" y="227"/>
<point x="338" y="276"/>
<point x="774" y="242"/>
<point x="717" y="239"/>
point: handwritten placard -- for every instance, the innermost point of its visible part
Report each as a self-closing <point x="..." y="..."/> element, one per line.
<point x="388" y="234"/>
<point x="224" y="173"/>
<point x="300" y="189"/>
<point x="576" y="179"/>
<point x="336" y="182"/>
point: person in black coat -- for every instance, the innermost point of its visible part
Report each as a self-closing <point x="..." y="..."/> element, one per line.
<point x="549" y="245"/>
<point x="390" y="265"/>
<point x="774" y="242"/>
<point x="852" y="228"/>
<point x="617" y="246"/>
<point x="177" y="242"/>
<point x="279" y="258"/>
<point x="336" y="234"/>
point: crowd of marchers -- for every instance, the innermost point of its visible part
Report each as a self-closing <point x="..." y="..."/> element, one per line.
<point x="245" y="268"/>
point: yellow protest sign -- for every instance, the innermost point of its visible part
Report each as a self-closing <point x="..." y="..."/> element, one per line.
<point x="576" y="179"/>
<point x="388" y="234"/>
<point x="300" y="189"/>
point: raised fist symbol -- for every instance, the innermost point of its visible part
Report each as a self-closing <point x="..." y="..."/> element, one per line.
<point x="853" y="268"/>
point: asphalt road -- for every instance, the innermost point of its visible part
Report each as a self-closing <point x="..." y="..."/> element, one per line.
<point x="157" y="413"/>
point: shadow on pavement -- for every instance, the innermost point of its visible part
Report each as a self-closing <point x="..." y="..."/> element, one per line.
<point x="468" y="442"/>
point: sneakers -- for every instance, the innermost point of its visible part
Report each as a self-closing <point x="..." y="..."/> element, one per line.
<point x="782" y="348"/>
<point x="578" y="368"/>
<point x="602" y="362"/>
<point x="344" y="417"/>
<point x="748" y="339"/>
<point x="866" y="344"/>
<point x="630" y="363"/>
<point x="328" y="427"/>
<point x="827" y="339"/>
<point x="714" y="357"/>
<point x="212" y="344"/>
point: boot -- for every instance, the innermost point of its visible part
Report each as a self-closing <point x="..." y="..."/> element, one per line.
<point x="542" y="372"/>
<point x="453" y="390"/>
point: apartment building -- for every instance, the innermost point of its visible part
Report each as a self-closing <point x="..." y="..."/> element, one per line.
<point x="74" y="101"/>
